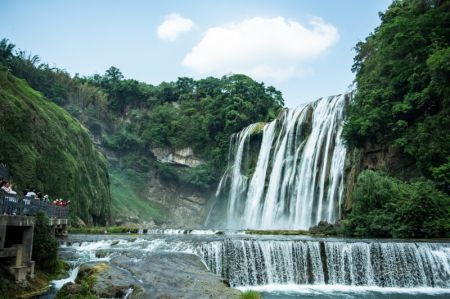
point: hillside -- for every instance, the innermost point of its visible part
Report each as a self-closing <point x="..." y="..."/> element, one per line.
<point x="398" y="125"/>
<point x="43" y="146"/>
<point x="166" y="145"/>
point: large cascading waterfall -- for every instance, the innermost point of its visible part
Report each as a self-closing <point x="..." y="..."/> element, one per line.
<point x="398" y="265"/>
<point x="297" y="178"/>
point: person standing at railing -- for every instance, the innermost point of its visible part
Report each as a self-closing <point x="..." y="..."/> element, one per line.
<point x="31" y="193"/>
<point x="7" y="187"/>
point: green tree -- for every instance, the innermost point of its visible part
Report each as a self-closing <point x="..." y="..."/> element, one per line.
<point x="45" y="246"/>
<point x="403" y="85"/>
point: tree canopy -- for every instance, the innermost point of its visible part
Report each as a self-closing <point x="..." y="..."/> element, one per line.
<point x="403" y="86"/>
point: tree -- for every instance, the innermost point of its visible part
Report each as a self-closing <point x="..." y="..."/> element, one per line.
<point x="45" y="246"/>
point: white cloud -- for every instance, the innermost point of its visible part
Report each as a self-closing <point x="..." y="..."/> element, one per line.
<point x="172" y="26"/>
<point x="260" y="47"/>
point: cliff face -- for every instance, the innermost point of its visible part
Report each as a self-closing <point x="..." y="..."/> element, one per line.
<point x="186" y="206"/>
<point x="43" y="146"/>
<point x="184" y="156"/>
<point x="374" y="157"/>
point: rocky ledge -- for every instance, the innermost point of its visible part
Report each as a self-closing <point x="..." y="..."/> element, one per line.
<point x="155" y="275"/>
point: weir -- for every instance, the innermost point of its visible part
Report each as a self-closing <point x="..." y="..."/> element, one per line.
<point x="253" y="261"/>
<point x="296" y="179"/>
<point x="381" y="264"/>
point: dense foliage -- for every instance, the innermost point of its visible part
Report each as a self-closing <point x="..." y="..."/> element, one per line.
<point x="403" y="103"/>
<point x="44" y="147"/>
<point x="45" y="245"/>
<point x="383" y="206"/>
<point x="187" y="113"/>
<point x="403" y="87"/>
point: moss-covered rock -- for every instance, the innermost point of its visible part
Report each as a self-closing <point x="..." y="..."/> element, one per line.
<point x="99" y="280"/>
<point x="43" y="146"/>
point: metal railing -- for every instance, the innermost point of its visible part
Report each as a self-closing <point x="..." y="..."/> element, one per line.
<point x="12" y="204"/>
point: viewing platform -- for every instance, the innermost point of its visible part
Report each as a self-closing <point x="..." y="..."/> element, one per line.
<point x="17" y="223"/>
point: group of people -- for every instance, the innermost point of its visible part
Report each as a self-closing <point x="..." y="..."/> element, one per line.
<point x="6" y="186"/>
<point x="61" y="203"/>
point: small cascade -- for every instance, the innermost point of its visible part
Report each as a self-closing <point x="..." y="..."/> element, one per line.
<point x="404" y="265"/>
<point x="296" y="179"/>
<point x="248" y="262"/>
<point x="400" y="265"/>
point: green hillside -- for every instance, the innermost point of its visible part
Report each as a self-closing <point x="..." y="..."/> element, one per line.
<point x="43" y="146"/>
<point x="400" y="118"/>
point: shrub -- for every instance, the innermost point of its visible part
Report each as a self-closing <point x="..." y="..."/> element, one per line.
<point x="387" y="207"/>
<point x="45" y="246"/>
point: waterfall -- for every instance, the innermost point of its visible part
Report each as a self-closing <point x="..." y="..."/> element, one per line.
<point x="297" y="178"/>
<point x="258" y="261"/>
<point x="262" y="262"/>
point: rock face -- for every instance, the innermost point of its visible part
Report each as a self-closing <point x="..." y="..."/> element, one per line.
<point x="175" y="275"/>
<point x="374" y="157"/>
<point x="187" y="206"/>
<point x="109" y="281"/>
<point x="184" y="156"/>
<point x="156" y="275"/>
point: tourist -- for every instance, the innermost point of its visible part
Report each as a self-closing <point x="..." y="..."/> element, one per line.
<point x="7" y="187"/>
<point x="31" y="193"/>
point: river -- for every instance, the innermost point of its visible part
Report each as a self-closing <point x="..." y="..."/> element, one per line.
<point x="282" y="266"/>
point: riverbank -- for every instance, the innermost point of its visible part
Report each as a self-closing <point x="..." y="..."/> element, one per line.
<point x="32" y="287"/>
<point x="98" y="230"/>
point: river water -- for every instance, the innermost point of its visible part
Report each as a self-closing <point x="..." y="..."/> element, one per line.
<point x="287" y="266"/>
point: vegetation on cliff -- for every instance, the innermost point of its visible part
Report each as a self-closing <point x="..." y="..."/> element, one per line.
<point x="403" y="103"/>
<point x="127" y="119"/>
<point x="43" y="146"/>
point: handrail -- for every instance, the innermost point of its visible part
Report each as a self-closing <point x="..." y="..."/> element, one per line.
<point x="12" y="204"/>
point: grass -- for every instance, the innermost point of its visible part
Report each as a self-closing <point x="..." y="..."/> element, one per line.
<point x="97" y="230"/>
<point x="250" y="295"/>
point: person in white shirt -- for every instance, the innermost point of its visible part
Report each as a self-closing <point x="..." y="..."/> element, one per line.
<point x="30" y="193"/>
<point x="7" y="187"/>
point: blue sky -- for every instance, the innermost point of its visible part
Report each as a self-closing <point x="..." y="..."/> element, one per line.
<point x="303" y="48"/>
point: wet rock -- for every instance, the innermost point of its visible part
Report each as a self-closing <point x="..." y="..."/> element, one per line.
<point x="174" y="275"/>
<point x="105" y="280"/>
<point x="71" y="289"/>
<point x="100" y="254"/>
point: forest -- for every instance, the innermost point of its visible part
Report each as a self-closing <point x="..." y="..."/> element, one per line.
<point x="402" y="102"/>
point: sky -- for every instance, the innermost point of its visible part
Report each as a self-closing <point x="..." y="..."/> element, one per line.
<point x="304" y="48"/>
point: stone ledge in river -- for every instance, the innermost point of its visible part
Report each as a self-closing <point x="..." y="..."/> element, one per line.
<point x="174" y="275"/>
<point x="101" y="280"/>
